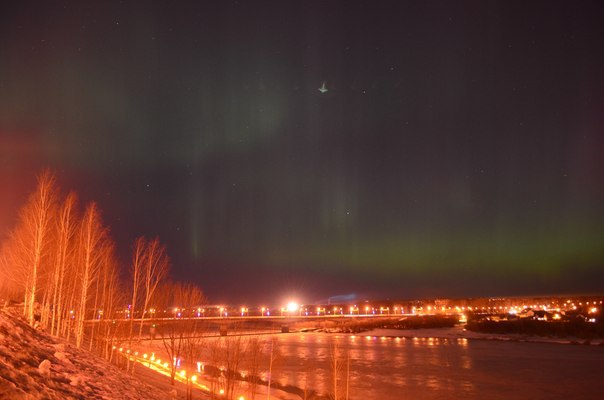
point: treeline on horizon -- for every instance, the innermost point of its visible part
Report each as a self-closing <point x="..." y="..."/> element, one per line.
<point x="60" y="261"/>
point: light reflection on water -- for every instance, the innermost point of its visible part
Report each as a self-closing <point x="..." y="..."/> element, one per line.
<point x="437" y="368"/>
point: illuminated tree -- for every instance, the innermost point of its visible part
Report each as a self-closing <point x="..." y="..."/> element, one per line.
<point x="150" y="265"/>
<point x="254" y="354"/>
<point x="338" y="364"/>
<point x="136" y="271"/>
<point x="111" y="298"/>
<point x="66" y="224"/>
<point x="11" y="272"/>
<point x="171" y="332"/>
<point x="66" y="262"/>
<point x="92" y="244"/>
<point x="231" y="349"/>
<point x="190" y="297"/>
<point x="228" y="354"/>
<point x="105" y="289"/>
<point x="183" y="333"/>
<point x="30" y="241"/>
<point x="156" y="265"/>
<point x="71" y="292"/>
<point x="273" y="356"/>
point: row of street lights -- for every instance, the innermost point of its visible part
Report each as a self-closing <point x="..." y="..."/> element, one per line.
<point x="152" y="362"/>
<point x="293" y="308"/>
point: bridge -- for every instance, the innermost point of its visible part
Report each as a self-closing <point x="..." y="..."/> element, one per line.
<point x="286" y="323"/>
<point x="237" y="324"/>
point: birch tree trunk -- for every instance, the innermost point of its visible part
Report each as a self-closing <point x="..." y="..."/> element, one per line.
<point x="156" y="265"/>
<point x="35" y="218"/>
<point x="66" y="225"/>
<point x="92" y="236"/>
<point x="138" y="260"/>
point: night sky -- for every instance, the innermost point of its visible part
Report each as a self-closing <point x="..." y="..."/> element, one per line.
<point x="458" y="150"/>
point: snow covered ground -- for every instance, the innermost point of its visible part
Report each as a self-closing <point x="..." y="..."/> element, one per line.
<point x="34" y="365"/>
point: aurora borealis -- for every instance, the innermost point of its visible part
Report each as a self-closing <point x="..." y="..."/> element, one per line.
<point x="458" y="150"/>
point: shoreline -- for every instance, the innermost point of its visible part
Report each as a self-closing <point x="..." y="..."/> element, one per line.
<point x="458" y="332"/>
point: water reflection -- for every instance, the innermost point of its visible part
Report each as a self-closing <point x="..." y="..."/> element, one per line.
<point x="423" y="368"/>
<point x="433" y="368"/>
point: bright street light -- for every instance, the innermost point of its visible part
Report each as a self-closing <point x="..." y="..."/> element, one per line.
<point x="292" y="306"/>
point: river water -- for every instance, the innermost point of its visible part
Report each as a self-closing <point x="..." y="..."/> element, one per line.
<point x="431" y="368"/>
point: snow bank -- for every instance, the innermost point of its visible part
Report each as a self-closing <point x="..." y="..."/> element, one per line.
<point x="34" y="365"/>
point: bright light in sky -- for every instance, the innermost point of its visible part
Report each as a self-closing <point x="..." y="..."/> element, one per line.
<point x="292" y="306"/>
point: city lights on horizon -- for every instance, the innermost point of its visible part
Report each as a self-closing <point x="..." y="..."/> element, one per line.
<point x="292" y="308"/>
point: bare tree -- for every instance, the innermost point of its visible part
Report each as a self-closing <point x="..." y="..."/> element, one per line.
<point x="232" y="348"/>
<point x="171" y="332"/>
<point x="335" y="364"/>
<point x="337" y="361"/>
<point x="14" y="265"/>
<point x="183" y="334"/>
<point x="71" y="292"/>
<point x="347" y="372"/>
<point x="227" y="353"/>
<point x="156" y="266"/>
<point x="214" y="358"/>
<point x="254" y="351"/>
<point x="273" y="356"/>
<point x="92" y="237"/>
<point x="12" y="270"/>
<point x="32" y="237"/>
<point x="136" y="271"/>
<point x="189" y="298"/>
<point x="111" y="297"/>
<point x="66" y="224"/>
<point x="103" y="285"/>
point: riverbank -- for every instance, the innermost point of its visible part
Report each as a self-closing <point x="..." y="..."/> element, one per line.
<point x="35" y="365"/>
<point x="459" y="332"/>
